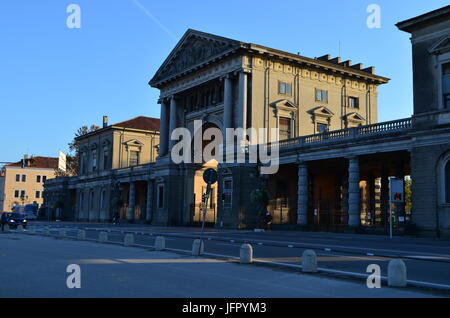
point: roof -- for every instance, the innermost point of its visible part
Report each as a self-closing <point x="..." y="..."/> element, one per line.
<point x="432" y="17"/>
<point x="141" y="122"/>
<point x="197" y="49"/>
<point x="37" y="162"/>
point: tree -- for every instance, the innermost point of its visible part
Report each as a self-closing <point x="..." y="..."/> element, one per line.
<point x="72" y="156"/>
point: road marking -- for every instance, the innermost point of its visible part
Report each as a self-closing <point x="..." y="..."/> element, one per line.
<point x="290" y="246"/>
<point x="328" y="249"/>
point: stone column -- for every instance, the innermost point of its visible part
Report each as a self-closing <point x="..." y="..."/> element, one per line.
<point x="227" y="103"/>
<point x="164" y="129"/>
<point x="149" y="207"/>
<point x="173" y="121"/>
<point x="131" y="202"/>
<point x="242" y="102"/>
<point x="344" y="198"/>
<point x="302" y="194"/>
<point x="353" y="193"/>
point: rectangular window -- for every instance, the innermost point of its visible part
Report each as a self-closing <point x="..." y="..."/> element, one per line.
<point x="38" y="194"/>
<point x="446" y="84"/>
<point x="24" y="178"/>
<point x="16" y="193"/>
<point x="94" y="161"/>
<point x="284" y="88"/>
<point x="227" y="193"/>
<point x="22" y="194"/>
<point x="134" y="158"/>
<point x="38" y="179"/>
<point x="17" y="177"/>
<point x="160" y="202"/>
<point x="322" y="127"/>
<point x="285" y="128"/>
<point x="105" y="160"/>
<point x="321" y="95"/>
<point x="353" y="102"/>
<point x="44" y="178"/>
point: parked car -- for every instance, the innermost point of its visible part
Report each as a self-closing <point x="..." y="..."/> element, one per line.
<point x="14" y="219"/>
<point x="30" y="211"/>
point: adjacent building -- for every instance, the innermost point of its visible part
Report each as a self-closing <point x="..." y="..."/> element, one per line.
<point x="22" y="182"/>
<point x="114" y="163"/>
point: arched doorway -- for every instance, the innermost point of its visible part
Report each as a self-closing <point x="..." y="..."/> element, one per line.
<point x="198" y="207"/>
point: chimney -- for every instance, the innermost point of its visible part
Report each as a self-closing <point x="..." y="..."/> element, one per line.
<point x="105" y="121"/>
<point x="24" y="161"/>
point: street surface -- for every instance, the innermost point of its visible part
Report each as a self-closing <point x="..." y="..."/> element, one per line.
<point x="35" y="266"/>
<point x="427" y="259"/>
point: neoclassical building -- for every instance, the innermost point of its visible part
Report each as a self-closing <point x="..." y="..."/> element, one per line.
<point x="336" y="159"/>
<point x="114" y="161"/>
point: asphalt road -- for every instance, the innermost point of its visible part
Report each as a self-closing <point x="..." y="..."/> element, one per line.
<point x="35" y="266"/>
<point x="427" y="260"/>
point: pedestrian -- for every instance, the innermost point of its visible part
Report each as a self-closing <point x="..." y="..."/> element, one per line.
<point x="267" y="221"/>
<point x="3" y="220"/>
<point x="116" y="219"/>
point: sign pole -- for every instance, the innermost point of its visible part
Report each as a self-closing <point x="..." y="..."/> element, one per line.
<point x="205" y="206"/>
<point x="210" y="177"/>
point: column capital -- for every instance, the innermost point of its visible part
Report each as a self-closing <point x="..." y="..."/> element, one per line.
<point x="226" y="76"/>
<point x="352" y="158"/>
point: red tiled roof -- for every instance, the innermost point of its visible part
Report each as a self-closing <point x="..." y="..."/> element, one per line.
<point x="38" y="162"/>
<point x="141" y="122"/>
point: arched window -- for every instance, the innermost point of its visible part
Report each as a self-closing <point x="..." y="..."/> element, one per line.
<point x="447" y="182"/>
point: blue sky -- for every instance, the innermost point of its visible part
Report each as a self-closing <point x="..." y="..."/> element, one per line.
<point x="54" y="79"/>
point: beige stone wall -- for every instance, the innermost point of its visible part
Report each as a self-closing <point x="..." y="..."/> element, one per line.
<point x="30" y="186"/>
<point x="127" y="140"/>
<point x="118" y="143"/>
<point x="267" y="74"/>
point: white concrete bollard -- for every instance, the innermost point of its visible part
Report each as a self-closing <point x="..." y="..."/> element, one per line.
<point x="20" y="228"/>
<point x="103" y="237"/>
<point x="129" y="239"/>
<point x="309" y="261"/>
<point x="32" y="230"/>
<point x="81" y="234"/>
<point x="397" y="273"/>
<point x="160" y="243"/>
<point x="246" y="254"/>
<point x="46" y="231"/>
<point x="198" y="247"/>
<point x="62" y="232"/>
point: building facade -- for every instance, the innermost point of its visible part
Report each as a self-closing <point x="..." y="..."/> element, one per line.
<point x="114" y="168"/>
<point x="335" y="159"/>
<point x="23" y="182"/>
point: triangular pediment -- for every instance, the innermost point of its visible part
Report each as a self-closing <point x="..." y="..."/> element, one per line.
<point x="321" y="111"/>
<point x="284" y="103"/>
<point x="443" y="45"/>
<point x="193" y="51"/>
<point x="134" y="142"/>
<point x="355" y="117"/>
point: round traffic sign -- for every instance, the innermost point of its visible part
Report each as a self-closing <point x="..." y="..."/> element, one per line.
<point x="210" y="176"/>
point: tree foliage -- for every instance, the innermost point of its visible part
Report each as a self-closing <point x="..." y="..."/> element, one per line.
<point x="72" y="156"/>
